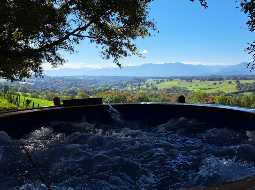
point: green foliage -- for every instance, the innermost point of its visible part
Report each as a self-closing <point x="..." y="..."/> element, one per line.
<point x="198" y="97"/>
<point x="200" y="91"/>
<point x="135" y="97"/>
<point x="33" y="31"/>
<point x="82" y="94"/>
<point x="5" y="105"/>
<point x="242" y="101"/>
<point x="10" y="101"/>
<point x="248" y="7"/>
<point x="37" y="31"/>
<point x="114" y="97"/>
<point x="142" y="97"/>
<point x="200" y="86"/>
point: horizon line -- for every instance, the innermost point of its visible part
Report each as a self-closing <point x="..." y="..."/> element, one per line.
<point x="74" y="66"/>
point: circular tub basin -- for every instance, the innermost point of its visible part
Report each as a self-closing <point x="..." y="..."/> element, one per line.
<point x="128" y="146"/>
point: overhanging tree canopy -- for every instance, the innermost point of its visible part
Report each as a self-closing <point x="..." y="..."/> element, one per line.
<point x="34" y="31"/>
<point x="248" y="7"/>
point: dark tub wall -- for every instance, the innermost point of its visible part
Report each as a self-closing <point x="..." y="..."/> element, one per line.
<point x="18" y="123"/>
<point x="160" y="113"/>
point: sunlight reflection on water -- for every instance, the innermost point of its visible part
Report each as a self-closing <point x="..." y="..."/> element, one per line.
<point x="81" y="155"/>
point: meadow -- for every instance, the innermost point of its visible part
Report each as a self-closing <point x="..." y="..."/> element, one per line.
<point x="20" y="101"/>
<point x="232" y="91"/>
<point x="222" y="86"/>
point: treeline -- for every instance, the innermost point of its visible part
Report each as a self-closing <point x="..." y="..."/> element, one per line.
<point x="246" y="100"/>
<point x="135" y="96"/>
<point x="37" y="99"/>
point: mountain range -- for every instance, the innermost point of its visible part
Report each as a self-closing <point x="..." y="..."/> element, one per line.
<point x="157" y="70"/>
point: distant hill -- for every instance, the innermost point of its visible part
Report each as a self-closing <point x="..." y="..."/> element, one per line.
<point x="158" y="70"/>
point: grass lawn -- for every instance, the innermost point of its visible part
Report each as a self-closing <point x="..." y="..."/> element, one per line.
<point x="5" y="105"/>
<point x="41" y="102"/>
<point x="201" y="86"/>
<point x="38" y="103"/>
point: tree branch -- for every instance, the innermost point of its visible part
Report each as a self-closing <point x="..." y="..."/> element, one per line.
<point x="84" y="36"/>
<point x="59" y="41"/>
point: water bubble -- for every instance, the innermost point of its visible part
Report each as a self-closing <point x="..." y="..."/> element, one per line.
<point x="173" y="155"/>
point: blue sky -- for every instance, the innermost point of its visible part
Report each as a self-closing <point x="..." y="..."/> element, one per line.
<point x="187" y="33"/>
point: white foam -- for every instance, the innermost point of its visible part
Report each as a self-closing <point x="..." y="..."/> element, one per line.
<point x="134" y="158"/>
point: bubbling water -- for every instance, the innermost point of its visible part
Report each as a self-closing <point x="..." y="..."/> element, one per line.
<point x="180" y="153"/>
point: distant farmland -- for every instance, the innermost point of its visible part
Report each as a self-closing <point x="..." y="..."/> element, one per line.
<point x="226" y="86"/>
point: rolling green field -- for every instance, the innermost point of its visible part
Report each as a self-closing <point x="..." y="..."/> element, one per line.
<point x="5" y="105"/>
<point x="41" y="102"/>
<point x="236" y="92"/>
<point x="227" y="86"/>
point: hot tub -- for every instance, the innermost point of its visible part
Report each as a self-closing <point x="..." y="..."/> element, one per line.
<point x="128" y="146"/>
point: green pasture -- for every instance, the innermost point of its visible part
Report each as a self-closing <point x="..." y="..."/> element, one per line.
<point x="227" y="86"/>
